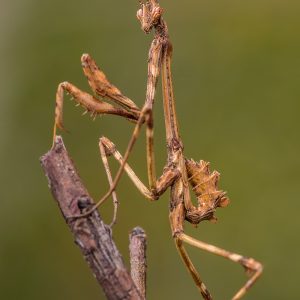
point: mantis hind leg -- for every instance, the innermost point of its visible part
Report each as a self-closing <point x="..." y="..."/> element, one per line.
<point x="253" y="267"/>
<point x="191" y="268"/>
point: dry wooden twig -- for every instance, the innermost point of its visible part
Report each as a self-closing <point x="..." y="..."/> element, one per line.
<point x="138" y="264"/>
<point x="91" y="235"/>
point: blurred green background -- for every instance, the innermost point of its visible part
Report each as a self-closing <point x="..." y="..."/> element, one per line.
<point x="236" y="71"/>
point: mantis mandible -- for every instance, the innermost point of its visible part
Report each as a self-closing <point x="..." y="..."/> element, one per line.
<point x="179" y="171"/>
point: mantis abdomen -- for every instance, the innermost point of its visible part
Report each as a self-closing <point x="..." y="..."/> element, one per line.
<point x="205" y="186"/>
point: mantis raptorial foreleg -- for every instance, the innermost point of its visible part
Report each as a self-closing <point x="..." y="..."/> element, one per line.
<point x="90" y="103"/>
<point x="103" y="88"/>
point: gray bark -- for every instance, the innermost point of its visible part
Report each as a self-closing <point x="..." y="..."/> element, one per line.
<point x="90" y="233"/>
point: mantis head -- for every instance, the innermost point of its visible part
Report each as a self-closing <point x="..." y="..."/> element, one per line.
<point x="149" y="14"/>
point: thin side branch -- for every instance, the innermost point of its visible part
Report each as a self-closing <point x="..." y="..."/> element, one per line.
<point x="138" y="262"/>
<point x="91" y="235"/>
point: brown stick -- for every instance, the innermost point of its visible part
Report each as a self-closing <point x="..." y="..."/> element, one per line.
<point x="91" y="235"/>
<point x="138" y="263"/>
